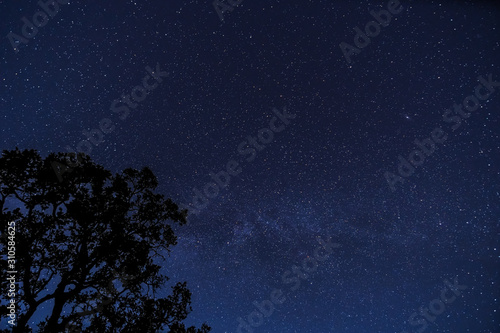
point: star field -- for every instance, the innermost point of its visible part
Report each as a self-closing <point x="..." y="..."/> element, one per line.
<point x="321" y="178"/>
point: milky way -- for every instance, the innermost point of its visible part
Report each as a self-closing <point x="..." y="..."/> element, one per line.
<point x="322" y="178"/>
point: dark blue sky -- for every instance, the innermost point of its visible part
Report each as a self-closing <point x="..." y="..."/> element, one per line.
<point x="323" y="175"/>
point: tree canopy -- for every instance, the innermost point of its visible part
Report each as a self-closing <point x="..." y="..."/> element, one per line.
<point x="89" y="246"/>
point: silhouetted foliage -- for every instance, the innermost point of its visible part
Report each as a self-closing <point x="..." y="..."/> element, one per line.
<point x="74" y="235"/>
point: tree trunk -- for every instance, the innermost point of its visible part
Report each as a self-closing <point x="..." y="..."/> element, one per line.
<point x="53" y="322"/>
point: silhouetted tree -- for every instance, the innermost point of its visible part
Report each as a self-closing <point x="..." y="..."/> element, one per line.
<point x="76" y="233"/>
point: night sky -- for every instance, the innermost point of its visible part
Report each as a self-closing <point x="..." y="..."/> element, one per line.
<point x="313" y="138"/>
